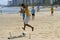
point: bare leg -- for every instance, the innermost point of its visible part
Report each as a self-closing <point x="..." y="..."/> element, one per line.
<point x="52" y="14"/>
<point x="32" y="17"/>
<point x="28" y="26"/>
<point x="24" y="27"/>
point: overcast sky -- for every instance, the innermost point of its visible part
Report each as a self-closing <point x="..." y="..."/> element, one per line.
<point x="3" y="2"/>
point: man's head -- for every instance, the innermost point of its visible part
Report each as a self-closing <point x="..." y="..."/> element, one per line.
<point x="26" y="6"/>
<point x="23" y="5"/>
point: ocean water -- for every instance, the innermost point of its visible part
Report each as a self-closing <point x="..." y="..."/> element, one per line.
<point x="12" y="9"/>
<point x="9" y="9"/>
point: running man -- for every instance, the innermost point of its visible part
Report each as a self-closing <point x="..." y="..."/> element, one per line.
<point x="33" y="12"/>
<point x="26" y="20"/>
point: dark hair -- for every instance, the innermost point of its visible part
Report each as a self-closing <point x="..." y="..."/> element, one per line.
<point x="22" y="4"/>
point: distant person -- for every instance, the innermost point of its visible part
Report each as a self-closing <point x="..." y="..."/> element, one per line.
<point x="33" y="12"/>
<point x="52" y="10"/>
<point x="22" y="11"/>
<point x="27" y="18"/>
<point x="38" y="8"/>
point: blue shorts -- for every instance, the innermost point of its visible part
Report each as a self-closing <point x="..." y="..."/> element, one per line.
<point x="23" y="15"/>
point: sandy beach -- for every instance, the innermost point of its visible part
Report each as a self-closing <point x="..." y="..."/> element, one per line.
<point x="46" y="27"/>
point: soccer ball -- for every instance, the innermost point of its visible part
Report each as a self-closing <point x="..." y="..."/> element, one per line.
<point x="24" y="33"/>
